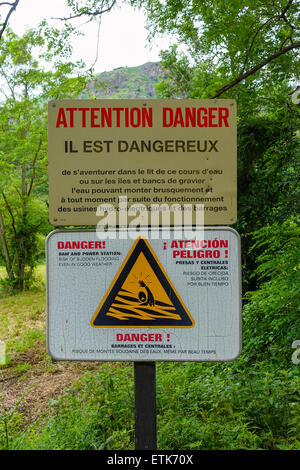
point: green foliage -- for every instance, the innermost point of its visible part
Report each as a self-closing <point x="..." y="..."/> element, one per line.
<point x="199" y="406"/>
<point x="271" y="316"/>
<point x="228" y="39"/>
<point x="268" y="190"/>
<point x="226" y="408"/>
<point x="28" y="85"/>
<point x="268" y="165"/>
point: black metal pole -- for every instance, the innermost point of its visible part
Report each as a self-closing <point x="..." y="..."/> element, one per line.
<point x="145" y="405"/>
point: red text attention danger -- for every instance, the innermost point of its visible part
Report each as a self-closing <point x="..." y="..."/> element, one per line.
<point x="142" y="117"/>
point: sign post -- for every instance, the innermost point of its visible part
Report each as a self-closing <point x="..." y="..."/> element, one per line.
<point x="145" y="405"/>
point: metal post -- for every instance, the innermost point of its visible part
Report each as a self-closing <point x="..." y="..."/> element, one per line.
<point x="145" y="405"/>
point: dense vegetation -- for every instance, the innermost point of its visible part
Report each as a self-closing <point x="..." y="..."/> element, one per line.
<point x="246" y="50"/>
<point x="198" y="407"/>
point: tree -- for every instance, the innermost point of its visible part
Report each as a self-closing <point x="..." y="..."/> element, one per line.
<point x="28" y="85"/>
<point x="240" y="39"/>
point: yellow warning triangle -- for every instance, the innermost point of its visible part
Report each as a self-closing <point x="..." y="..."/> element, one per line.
<point x="142" y="295"/>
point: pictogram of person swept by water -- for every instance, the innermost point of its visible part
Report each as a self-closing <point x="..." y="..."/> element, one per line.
<point x="141" y="296"/>
<point x="146" y="298"/>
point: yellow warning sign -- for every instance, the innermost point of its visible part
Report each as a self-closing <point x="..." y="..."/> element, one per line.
<point x="142" y="295"/>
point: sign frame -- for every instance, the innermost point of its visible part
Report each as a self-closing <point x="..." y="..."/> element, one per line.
<point x="150" y="359"/>
<point x="206" y="156"/>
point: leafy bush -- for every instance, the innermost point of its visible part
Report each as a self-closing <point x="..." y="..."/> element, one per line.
<point x="271" y="317"/>
<point x="204" y="406"/>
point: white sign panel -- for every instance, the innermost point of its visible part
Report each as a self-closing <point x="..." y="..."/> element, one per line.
<point x="135" y="298"/>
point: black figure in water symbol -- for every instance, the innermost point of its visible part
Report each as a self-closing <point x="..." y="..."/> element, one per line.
<point x="146" y="299"/>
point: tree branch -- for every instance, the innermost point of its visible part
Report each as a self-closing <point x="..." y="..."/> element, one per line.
<point x="286" y="8"/>
<point x="89" y="13"/>
<point x="283" y="15"/>
<point x="257" y="67"/>
<point x="12" y="9"/>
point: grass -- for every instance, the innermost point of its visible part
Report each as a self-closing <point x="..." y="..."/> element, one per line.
<point x="23" y="329"/>
<point x="23" y="318"/>
<point x="199" y="406"/>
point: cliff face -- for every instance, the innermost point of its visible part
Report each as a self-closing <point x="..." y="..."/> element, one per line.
<point x="126" y="82"/>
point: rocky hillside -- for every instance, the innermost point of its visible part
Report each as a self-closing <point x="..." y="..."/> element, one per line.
<point x="126" y="82"/>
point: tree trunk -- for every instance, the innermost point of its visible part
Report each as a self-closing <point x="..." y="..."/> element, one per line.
<point x="4" y="246"/>
<point x="21" y="244"/>
<point x="21" y="273"/>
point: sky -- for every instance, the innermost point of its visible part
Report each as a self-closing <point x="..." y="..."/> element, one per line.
<point x="123" y="36"/>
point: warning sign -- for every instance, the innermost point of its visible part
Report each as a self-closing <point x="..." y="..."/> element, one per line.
<point x="104" y="155"/>
<point x="142" y="295"/>
<point x="139" y="298"/>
